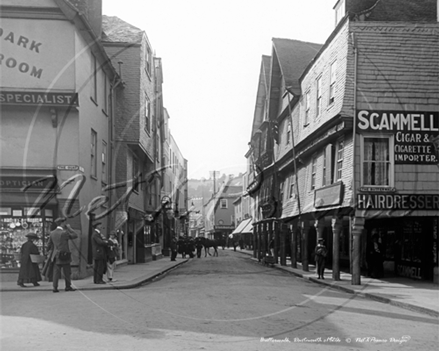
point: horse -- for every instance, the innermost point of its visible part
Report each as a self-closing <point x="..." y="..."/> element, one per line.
<point x="207" y="244"/>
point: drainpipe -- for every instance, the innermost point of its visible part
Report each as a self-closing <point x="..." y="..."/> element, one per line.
<point x="356" y="223"/>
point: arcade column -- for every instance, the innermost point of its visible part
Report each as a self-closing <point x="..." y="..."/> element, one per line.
<point x="305" y="226"/>
<point x="336" y="229"/>
<point x="357" y="227"/>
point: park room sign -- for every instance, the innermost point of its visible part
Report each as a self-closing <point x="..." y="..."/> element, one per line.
<point x="414" y="133"/>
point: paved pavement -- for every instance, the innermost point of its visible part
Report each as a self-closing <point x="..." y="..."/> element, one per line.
<point x="410" y="294"/>
<point x="125" y="277"/>
<point x="420" y="296"/>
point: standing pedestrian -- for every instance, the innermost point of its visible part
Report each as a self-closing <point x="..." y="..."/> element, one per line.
<point x="60" y="253"/>
<point x="99" y="246"/>
<point x="112" y="254"/>
<point x="199" y="246"/>
<point x="173" y="247"/>
<point x="29" y="271"/>
<point x="320" y="255"/>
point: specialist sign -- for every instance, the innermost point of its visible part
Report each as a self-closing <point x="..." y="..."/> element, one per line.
<point x="414" y="132"/>
<point x="38" y="98"/>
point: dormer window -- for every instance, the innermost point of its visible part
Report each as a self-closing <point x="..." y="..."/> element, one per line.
<point x="339" y="11"/>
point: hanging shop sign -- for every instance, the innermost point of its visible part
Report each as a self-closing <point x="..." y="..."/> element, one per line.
<point x="414" y="133"/>
<point x="38" y="98"/>
<point x="380" y="201"/>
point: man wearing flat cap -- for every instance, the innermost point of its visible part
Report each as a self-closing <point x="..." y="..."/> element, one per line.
<point x="61" y="256"/>
<point x="29" y="271"/>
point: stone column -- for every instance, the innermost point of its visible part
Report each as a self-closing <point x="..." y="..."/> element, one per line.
<point x="337" y="229"/>
<point x="305" y="226"/>
<point x="357" y="227"/>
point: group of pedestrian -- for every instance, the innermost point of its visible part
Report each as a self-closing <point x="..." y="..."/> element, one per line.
<point x="186" y="246"/>
<point x="59" y="257"/>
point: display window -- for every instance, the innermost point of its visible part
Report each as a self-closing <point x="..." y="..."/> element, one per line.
<point x="15" y="223"/>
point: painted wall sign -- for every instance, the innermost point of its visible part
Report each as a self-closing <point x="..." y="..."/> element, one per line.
<point x="413" y="133"/>
<point x="329" y="196"/>
<point x="381" y="201"/>
<point x="38" y="98"/>
<point x="16" y="183"/>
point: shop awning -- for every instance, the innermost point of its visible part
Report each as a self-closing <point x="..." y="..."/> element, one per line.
<point x="241" y="226"/>
<point x="249" y="227"/>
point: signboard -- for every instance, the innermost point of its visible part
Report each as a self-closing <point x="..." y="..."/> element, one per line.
<point x="329" y="196"/>
<point x="17" y="183"/>
<point x="380" y="201"/>
<point x="67" y="168"/>
<point x="38" y="98"/>
<point x="414" y="132"/>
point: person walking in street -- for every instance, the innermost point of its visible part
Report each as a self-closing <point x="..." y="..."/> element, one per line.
<point x="99" y="248"/>
<point x="199" y="246"/>
<point x="173" y="247"/>
<point x="60" y="253"/>
<point x="112" y="254"/>
<point x="320" y="255"/>
<point x="29" y="271"/>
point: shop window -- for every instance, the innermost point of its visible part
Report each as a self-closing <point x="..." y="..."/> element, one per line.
<point x="15" y="223"/>
<point x="377" y="165"/>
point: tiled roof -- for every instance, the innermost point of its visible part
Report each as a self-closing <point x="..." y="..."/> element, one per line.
<point x="293" y="57"/>
<point x="116" y="30"/>
<point x="395" y="10"/>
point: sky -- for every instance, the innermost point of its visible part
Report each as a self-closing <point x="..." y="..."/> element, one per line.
<point x="211" y="55"/>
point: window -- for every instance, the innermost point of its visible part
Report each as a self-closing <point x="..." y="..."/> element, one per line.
<point x="318" y="96"/>
<point x="339" y="11"/>
<point x="104" y="162"/>
<point x="147" y="114"/>
<point x="148" y="59"/>
<point x="324" y="168"/>
<point x="376" y="161"/>
<point x="93" y="154"/>
<point x="292" y="186"/>
<point x="94" y="79"/>
<point x="289" y="129"/>
<point x="339" y="159"/>
<point x="307" y="113"/>
<point x="332" y="83"/>
<point x="223" y="203"/>
<point x="282" y="191"/>
<point x="313" y="182"/>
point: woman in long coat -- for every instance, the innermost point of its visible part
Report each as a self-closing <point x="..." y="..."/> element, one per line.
<point x="29" y="271"/>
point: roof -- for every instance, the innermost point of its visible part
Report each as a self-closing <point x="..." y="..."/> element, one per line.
<point x="394" y="10"/>
<point x="116" y="30"/>
<point x="293" y="57"/>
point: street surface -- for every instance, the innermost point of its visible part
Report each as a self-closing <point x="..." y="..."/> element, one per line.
<point x="215" y="303"/>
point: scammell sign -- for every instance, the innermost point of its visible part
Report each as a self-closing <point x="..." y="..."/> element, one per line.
<point x="414" y="132"/>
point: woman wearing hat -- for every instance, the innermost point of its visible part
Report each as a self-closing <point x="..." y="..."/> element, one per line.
<point x="29" y="271"/>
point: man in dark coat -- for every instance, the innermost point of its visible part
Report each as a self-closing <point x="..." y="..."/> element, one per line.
<point x="320" y="255"/>
<point x="29" y="271"/>
<point x="60" y="252"/>
<point x="173" y="247"/>
<point x="199" y="246"/>
<point x="99" y="246"/>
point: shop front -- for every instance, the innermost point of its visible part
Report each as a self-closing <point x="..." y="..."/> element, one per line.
<point x="23" y="210"/>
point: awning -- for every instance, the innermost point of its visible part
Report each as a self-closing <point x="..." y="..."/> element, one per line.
<point x="249" y="227"/>
<point x="241" y="226"/>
